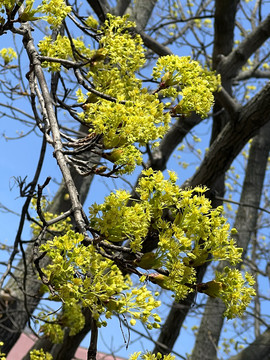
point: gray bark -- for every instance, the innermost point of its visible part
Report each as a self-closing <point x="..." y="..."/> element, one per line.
<point x="233" y="138"/>
<point x="141" y="12"/>
<point x="246" y="221"/>
<point x="121" y="7"/>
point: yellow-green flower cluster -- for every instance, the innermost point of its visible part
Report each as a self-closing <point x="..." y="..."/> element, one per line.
<point x="138" y="121"/>
<point x="56" y="11"/>
<point x="117" y="221"/>
<point x="181" y="76"/>
<point x="126" y="50"/>
<point x="150" y="356"/>
<point x="58" y="227"/>
<point x="8" y="54"/>
<point x="71" y="317"/>
<point x="141" y="303"/>
<point x="2" y="355"/>
<point x="51" y="328"/>
<point x="134" y="121"/>
<point x="189" y="232"/>
<point x="8" y="4"/>
<point x="91" y="22"/>
<point x="81" y="276"/>
<point x="61" y="49"/>
<point x="136" y="116"/>
<point x="40" y="355"/>
<point x="237" y="291"/>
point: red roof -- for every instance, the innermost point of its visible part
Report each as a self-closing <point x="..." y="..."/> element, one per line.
<point x="26" y="341"/>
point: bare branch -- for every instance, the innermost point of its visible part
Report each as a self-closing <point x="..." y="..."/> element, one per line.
<point x="230" y="65"/>
<point x="248" y="74"/>
<point x="258" y="350"/>
<point x="33" y="55"/>
<point x="232" y="107"/>
<point x="30" y="194"/>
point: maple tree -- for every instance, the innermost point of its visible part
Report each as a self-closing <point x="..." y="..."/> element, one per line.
<point x="106" y="262"/>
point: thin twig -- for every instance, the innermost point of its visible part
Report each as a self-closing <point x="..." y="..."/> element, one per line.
<point x="242" y="204"/>
<point x="17" y="241"/>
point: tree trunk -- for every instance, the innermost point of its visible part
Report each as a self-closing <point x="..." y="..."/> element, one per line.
<point x="246" y="221"/>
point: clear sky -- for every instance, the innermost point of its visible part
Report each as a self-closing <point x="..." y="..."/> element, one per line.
<point x="18" y="159"/>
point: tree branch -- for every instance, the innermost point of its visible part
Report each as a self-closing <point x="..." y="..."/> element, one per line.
<point x="227" y="101"/>
<point x="257" y="74"/>
<point x="99" y="8"/>
<point x="232" y="139"/>
<point x="246" y="222"/>
<point x="258" y="350"/>
<point x="121" y="7"/>
<point x="92" y="351"/>
<point x="230" y="65"/>
<point x="34" y="59"/>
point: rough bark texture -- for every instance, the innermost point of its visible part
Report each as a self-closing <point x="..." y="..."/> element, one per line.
<point x="141" y="12"/>
<point x="246" y="221"/>
<point x="233" y="138"/>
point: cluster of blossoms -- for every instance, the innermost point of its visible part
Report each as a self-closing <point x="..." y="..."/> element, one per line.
<point x="131" y="115"/>
<point x="187" y="231"/>
<point x="8" y="54"/>
<point x="185" y="78"/>
<point x="56" y="11"/>
<point x="192" y="234"/>
<point x="150" y="356"/>
<point x="53" y="11"/>
<point x="40" y="355"/>
<point x="58" y="227"/>
<point x="238" y="291"/>
<point x="136" y="116"/>
<point x="83" y="278"/>
<point x="60" y="48"/>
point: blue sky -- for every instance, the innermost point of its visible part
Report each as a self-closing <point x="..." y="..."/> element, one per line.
<point x="18" y="159"/>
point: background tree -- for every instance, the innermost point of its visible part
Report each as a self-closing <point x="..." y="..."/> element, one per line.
<point x="230" y="37"/>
